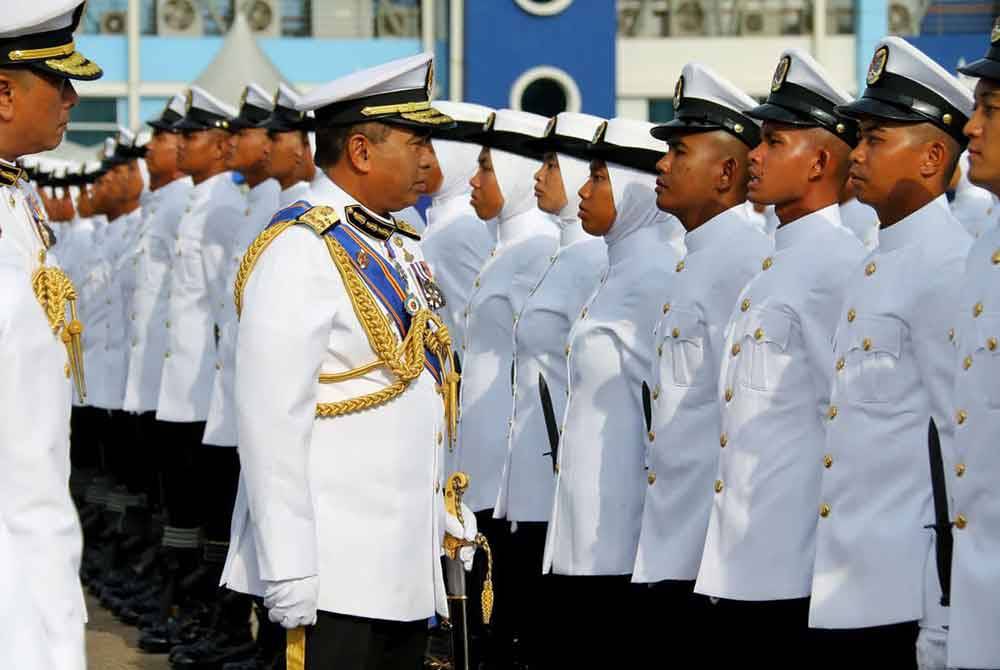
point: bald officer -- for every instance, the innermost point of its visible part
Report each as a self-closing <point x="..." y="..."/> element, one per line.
<point x="776" y="371"/>
<point x="41" y="603"/>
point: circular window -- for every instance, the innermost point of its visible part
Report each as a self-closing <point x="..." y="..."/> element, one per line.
<point x="543" y="7"/>
<point x="545" y="90"/>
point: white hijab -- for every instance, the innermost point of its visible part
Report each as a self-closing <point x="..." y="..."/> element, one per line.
<point x="459" y="161"/>
<point x="635" y="202"/>
<point x="516" y="178"/>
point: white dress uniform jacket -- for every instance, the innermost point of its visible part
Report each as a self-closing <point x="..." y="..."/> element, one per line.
<point x="102" y="298"/>
<point x="894" y="371"/>
<point x="528" y="238"/>
<point x="353" y="499"/>
<point x="455" y="243"/>
<point x="540" y="331"/>
<point x="202" y="236"/>
<point x="41" y="602"/>
<point x="597" y="504"/>
<point x="862" y="220"/>
<point x="121" y="287"/>
<point x="261" y="204"/>
<point x="777" y="366"/>
<point x="975" y="507"/>
<point x="161" y="211"/>
<point x="682" y="456"/>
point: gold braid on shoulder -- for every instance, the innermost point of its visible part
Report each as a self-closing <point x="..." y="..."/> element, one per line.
<point x="54" y="290"/>
<point x="404" y="359"/>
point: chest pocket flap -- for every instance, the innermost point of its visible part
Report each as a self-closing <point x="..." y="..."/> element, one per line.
<point x="684" y="338"/>
<point x="762" y="349"/>
<point x="986" y="351"/>
<point x="873" y="346"/>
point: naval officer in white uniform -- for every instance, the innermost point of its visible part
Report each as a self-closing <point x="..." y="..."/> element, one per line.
<point x="975" y="574"/>
<point x="41" y="603"/>
<point x="777" y="366"/>
<point x="703" y="182"/>
<point x="189" y="360"/>
<point x="340" y="516"/>
<point x="893" y="367"/>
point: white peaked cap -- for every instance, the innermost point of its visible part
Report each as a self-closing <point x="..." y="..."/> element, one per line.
<point x="396" y="92"/>
<point x="204" y="111"/>
<point x="628" y="142"/>
<point x="39" y="34"/>
<point x="803" y="95"/>
<point x="904" y="84"/>
<point x="804" y="71"/>
<point x="254" y="94"/>
<point x="287" y="97"/>
<point x="402" y="74"/>
<point x="704" y="100"/>
<point x="464" y="112"/>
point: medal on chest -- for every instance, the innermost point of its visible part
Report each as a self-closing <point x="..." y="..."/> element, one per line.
<point x="432" y="292"/>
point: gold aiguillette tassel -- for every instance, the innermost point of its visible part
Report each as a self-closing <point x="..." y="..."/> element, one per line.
<point x="73" y="338"/>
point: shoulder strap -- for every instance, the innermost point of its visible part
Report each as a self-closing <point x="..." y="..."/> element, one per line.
<point x="319" y="219"/>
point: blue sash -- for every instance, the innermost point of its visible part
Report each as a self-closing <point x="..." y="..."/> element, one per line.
<point x="385" y="283"/>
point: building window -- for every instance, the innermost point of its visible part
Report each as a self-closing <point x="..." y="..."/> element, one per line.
<point x="543" y="7"/>
<point x="545" y="90"/>
<point x="661" y="110"/>
<point x="92" y="120"/>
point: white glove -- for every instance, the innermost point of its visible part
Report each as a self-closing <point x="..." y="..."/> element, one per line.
<point x="467" y="532"/>
<point x="932" y="649"/>
<point x="292" y="602"/>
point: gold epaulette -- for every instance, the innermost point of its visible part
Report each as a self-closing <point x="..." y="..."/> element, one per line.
<point x="406" y="229"/>
<point x="319" y="219"/>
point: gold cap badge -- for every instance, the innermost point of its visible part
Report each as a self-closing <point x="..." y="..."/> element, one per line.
<point x="780" y="73"/>
<point x="599" y="134"/>
<point x="678" y="92"/>
<point x="877" y="66"/>
<point x="995" y="33"/>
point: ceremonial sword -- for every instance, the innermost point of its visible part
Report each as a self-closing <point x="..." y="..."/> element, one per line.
<point x="942" y="522"/>
<point x="550" y="422"/>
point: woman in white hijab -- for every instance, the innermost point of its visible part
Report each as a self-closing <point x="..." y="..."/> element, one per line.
<point x="597" y="508"/>
<point x="527" y="237"/>
<point x="455" y="242"/>
<point x="540" y="330"/>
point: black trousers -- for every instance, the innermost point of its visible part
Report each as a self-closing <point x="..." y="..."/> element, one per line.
<point x="596" y="623"/>
<point x="220" y="473"/>
<point x="526" y="593"/>
<point x="85" y="444"/>
<point x="671" y="611"/>
<point x="181" y="446"/>
<point x="340" y="641"/>
<point x="767" y="633"/>
<point x="891" y="647"/>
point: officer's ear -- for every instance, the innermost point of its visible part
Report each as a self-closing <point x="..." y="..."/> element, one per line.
<point x="11" y="82"/>
<point x="820" y="164"/>
<point x="728" y="174"/>
<point x="358" y="150"/>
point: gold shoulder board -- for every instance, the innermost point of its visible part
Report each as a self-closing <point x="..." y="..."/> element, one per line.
<point x="406" y="229"/>
<point x="320" y="219"/>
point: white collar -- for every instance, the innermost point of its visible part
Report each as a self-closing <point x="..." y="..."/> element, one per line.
<point x="913" y="226"/>
<point x="801" y="230"/>
<point x="717" y="229"/>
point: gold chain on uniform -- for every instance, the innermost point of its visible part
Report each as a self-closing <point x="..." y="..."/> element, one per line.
<point x="405" y="360"/>
<point x="54" y="290"/>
